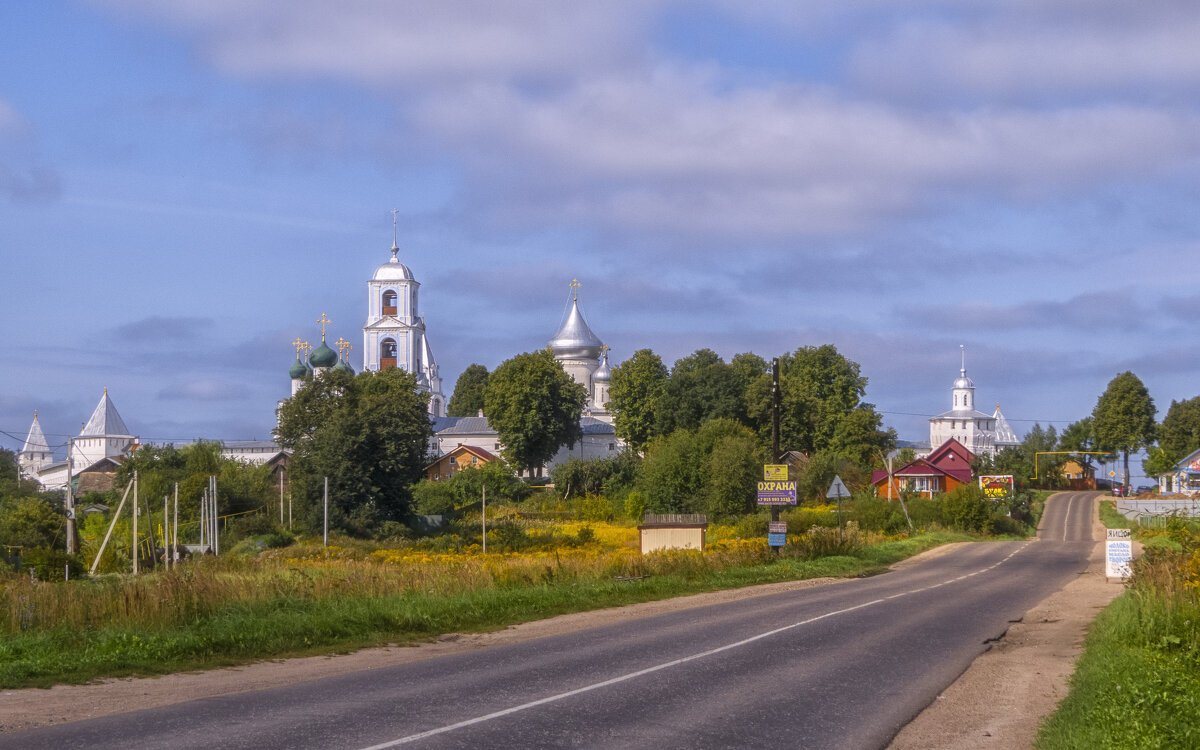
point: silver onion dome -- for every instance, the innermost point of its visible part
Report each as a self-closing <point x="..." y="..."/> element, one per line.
<point x="575" y="340"/>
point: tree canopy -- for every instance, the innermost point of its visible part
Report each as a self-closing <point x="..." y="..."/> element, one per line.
<point x="712" y="470"/>
<point x="635" y="387"/>
<point x="701" y="387"/>
<point x="1123" y="419"/>
<point x="821" y="406"/>
<point x="467" y="399"/>
<point x="1179" y="433"/>
<point x="368" y="433"/>
<point x="535" y="407"/>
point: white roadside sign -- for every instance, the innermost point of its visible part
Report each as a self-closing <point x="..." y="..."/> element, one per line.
<point x="1118" y="553"/>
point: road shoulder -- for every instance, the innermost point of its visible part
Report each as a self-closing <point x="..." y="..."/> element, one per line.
<point x="1004" y="695"/>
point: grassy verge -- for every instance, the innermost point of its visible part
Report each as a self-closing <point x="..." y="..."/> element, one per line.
<point x="292" y="620"/>
<point x="1137" y="683"/>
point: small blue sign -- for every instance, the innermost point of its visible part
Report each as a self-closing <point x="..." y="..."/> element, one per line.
<point x="776" y="540"/>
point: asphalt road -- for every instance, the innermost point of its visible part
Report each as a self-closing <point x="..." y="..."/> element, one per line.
<point x="840" y="666"/>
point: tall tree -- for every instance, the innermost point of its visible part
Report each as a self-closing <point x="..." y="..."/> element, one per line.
<point x="535" y="407"/>
<point x="368" y="433"/>
<point x="701" y="387"/>
<point x="1124" y="417"/>
<point x="633" y="395"/>
<point x="1179" y="433"/>
<point x="821" y="406"/>
<point x="467" y="399"/>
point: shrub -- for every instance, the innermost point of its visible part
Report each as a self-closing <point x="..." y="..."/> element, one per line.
<point x="966" y="508"/>
<point x="51" y="564"/>
<point x="595" y="508"/>
<point x="635" y="505"/>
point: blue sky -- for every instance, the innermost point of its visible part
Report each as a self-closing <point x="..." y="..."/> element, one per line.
<point x="186" y="187"/>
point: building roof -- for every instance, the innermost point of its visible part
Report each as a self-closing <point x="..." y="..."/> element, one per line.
<point x="593" y="426"/>
<point x="463" y="426"/>
<point x="575" y="339"/>
<point x="36" y="441"/>
<point x="961" y="414"/>
<point x="459" y="450"/>
<point x="1004" y="431"/>
<point x="393" y="270"/>
<point x="105" y="420"/>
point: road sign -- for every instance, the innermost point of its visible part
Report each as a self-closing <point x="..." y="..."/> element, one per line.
<point x="775" y="472"/>
<point x="1118" y="554"/>
<point x="837" y="490"/>
<point x="777" y="493"/>
<point x="777" y="527"/>
<point x="776" y="540"/>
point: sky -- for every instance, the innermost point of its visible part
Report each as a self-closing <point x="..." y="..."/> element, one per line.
<point x="186" y="187"/>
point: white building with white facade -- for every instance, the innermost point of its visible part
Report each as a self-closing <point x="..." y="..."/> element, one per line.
<point x="104" y="436"/>
<point x="982" y="434"/>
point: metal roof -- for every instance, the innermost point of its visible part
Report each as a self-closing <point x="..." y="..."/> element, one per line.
<point x="105" y="420"/>
<point x="575" y="339"/>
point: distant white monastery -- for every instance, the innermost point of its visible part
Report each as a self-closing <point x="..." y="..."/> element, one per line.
<point x="103" y="439"/>
<point x="393" y="336"/>
<point x="982" y="434"/>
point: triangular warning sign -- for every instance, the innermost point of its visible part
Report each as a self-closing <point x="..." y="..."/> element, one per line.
<point x="837" y="489"/>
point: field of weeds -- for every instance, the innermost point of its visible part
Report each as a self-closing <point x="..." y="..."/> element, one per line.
<point x="307" y="598"/>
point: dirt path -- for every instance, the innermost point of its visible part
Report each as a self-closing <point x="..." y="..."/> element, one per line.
<point x="1001" y="699"/>
<point x="1032" y="664"/>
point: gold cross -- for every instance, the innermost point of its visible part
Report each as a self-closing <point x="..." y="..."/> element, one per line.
<point x="306" y="348"/>
<point x="298" y="345"/>
<point x="323" y="321"/>
<point x="343" y="346"/>
<point x="575" y="288"/>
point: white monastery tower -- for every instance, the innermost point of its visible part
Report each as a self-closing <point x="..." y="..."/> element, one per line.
<point x="36" y="453"/>
<point x="394" y="334"/>
<point x="974" y="429"/>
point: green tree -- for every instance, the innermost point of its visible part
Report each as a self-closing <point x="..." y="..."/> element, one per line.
<point x="368" y="433"/>
<point x="821" y="406"/>
<point x="1124" y="417"/>
<point x="701" y="387"/>
<point x="32" y="522"/>
<point x="671" y="481"/>
<point x="714" y="470"/>
<point x="1179" y="433"/>
<point x="535" y="407"/>
<point x="1048" y="468"/>
<point x="634" y="390"/>
<point x="467" y="399"/>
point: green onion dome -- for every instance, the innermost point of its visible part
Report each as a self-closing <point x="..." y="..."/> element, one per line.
<point x="323" y="356"/>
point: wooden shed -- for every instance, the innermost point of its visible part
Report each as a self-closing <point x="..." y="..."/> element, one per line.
<point x="672" y="531"/>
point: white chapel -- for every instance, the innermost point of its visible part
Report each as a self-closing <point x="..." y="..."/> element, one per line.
<point x="982" y="434"/>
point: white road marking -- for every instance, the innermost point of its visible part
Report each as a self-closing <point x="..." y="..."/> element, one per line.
<point x="674" y="663"/>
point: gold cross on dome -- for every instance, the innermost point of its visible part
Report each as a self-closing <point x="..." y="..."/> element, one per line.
<point x="306" y="348"/>
<point x="575" y="288"/>
<point x="343" y="346"/>
<point x="298" y="345"/>
<point x="324" y="322"/>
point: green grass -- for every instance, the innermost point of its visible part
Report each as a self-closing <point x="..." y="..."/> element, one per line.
<point x="285" y="626"/>
<point x="1128" y="691"/>
<point x="1137" y="683"/>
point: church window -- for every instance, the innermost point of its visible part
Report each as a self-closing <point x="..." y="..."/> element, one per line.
<point x="389" y="302"/>
<point x="387" y="353"/>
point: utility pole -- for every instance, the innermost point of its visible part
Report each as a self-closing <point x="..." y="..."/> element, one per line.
<point x="775" y="455"/>
<point x="216" y="517"/>
<point x="485" y="519"/>
<point x="135" y="522"/>
<point x="281" y="498"/>
<point x="175" y="532"/>
<point x="326" y="511"/>
<point x="72" y="539"/>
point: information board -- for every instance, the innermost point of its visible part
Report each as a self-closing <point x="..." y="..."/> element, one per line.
<point x="1118" y="553"/>
<point x="777" y="493"/>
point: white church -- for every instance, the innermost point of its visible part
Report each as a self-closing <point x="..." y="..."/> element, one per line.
<point x="982" y="434"/>
<point x="394" y="335"/>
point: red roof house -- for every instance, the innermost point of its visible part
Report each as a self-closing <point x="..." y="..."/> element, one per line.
<point x="947" y="467"/>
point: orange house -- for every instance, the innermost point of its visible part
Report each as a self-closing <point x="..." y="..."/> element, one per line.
<point x="947" y="467"/>
<point x="462" y="457"/>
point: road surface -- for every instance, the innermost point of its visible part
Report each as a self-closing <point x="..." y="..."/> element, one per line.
<point x="841" y="666"/>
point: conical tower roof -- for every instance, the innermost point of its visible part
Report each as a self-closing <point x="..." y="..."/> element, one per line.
<point x="1004" y="431"/>
<point x="105" y="420"/>
<point x="36" y="441"/>
<point x="575" y="340"/>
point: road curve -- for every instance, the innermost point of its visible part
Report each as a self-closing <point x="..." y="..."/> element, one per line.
<point x="841" y="666"/>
